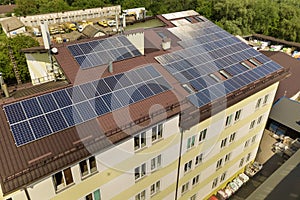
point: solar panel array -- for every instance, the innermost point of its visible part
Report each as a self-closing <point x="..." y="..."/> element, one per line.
<point x="44" y="115"/>
<point x="100" y="52"/>
<point x="207" y="49"/>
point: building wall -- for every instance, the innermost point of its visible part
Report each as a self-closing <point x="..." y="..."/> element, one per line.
<point x="211" y="146"/>
<point x="15" y="32"/>
<point x="115" y="176"/>
<point x="137" y="39"/>
<point x="70" y="16"/>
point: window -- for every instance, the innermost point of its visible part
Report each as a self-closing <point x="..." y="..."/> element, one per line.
<point x="94" y="196"/>
<point x="247" y="143"/>
<point x="155" y="188"/>
<point x="237" y="115"/>
<point x="246" y="65"/>
<point x="266" y="99"/>
<point x="140" y="172"/>
<point x="253" y="139"/>
<point x="232" y="137"/>
<point x="258" y="103"/>
<point x="157" y="132"/>
<point x="259" y="119"/>
<point x="155" y="163"/>
<point x="184" y="187"/>
<point x="215" y="77"/>
<point x="248" y="157"/>
<point x="141" y="195"/>
<point x="225" y="74"/>
<point x="191" y="142"/>
<point x="88" y="166"/>
<point x="202" y="135"/>
<point x="223" y="143"/>
<point x="219" y="163"/>
<point x="140" y="141"/>
<point x="252" y="124"/>
<point x="228" y="120"/>
<point x="241" y="162"/>
<point x="198" y="159"/>
<point x="223" y="176"/>
<point x="227" y="157"/>
<point x="195" y="180"/>
<point x="215" y="183"/>
<point x="188" y="166"/>
<point x="194" y="197"/>
<point x="62" y="179"/>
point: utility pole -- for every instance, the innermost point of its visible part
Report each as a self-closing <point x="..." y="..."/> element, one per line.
<point x="15" y="67"/>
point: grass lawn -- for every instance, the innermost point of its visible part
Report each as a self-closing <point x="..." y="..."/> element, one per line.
<point x="147" y="24"/>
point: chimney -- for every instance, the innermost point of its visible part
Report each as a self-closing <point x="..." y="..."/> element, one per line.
<point x="124" y="21"/>
<point x="166" y="43"/>
<point x="110" y="67"/>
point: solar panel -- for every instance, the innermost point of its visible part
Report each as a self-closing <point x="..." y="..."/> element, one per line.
<point x="41" y="116"/>
<point x="103" y="51"/>
<point x="207" y="49"/>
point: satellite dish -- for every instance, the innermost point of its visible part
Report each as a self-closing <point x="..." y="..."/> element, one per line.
<point x="54" y="50"/>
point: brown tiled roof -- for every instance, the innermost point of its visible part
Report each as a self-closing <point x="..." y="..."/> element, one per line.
<point x="23" y="165"/>
<point x="289" y="86"/>
<point x="7" y="8"/>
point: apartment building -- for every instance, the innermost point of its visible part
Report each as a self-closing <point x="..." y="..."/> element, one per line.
<point x="176" y="116"/>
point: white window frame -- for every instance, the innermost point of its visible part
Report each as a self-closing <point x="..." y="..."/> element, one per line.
<point x="266" y="98"/>
<point x="253" y="139"/>
<point x="228" y="121"/>
<point x="90" y="169"/>
<point x="199" y="159"/>
<point x="157" y="132"/>
<point x="227" y="157"/>
<point x="64" y="182"/>
<point x="194" y="197"/>
<point x="252" y="124"/>
<point x="93" y="195"/>
<point x="188" y="166"/>
<point x="241" y="162"/>
<point x="142" y="141"/>
<point x="259" y="119"/>
<point x="215" y="182"/>
<point x="248" y="157"/>
<point x="155" y="188"/>
<point x="232" y="137"/>
<point x="191" y="142"/>
<point x="237" y="115"/>
<point x="219" y="163"/>
<point x="223" y="176"/>
<point x="223" y="143"/>
<point x="141" y="171"/>
<point x="202" y="135"/>
<point x="185" y="187"/>
<point x="141" y="195"/>
<point x="156" y="163"/>
<point x="247" y="143"/>
<point x="258" y="103"/>
<point x="195" y="180"/>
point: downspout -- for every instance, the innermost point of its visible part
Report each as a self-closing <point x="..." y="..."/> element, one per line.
<point x="179" y="161"/>
<point x="26" y="193"/>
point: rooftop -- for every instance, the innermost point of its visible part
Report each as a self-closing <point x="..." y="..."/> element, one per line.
<point x="287" y="112"/>
<point x="204" y="68"/>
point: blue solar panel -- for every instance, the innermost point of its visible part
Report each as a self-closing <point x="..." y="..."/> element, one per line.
<point x="40" y="126"/>
<point x="47" y="102"/>
<point x="71" y="115"/>
<point x="14" y="113"/>
<point x="99" y="105"/>
<point x="65" y="108"/>
<point x="57" y="121"/>
<point x="62" y="98"/>
<point x="32" y="107"/>
<point x="100" y="52"/>
<point x="22" y="133"/>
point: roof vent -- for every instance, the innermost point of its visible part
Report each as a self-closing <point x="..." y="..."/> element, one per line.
<point x="166" y="43"/>
<point x="110" y="67"/>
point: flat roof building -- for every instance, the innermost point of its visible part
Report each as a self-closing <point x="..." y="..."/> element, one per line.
<point x="174" y="112"/>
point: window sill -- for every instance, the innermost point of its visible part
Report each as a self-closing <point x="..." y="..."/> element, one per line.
<point x="157" y="140"/>
<point x="64" y="188"/>
<point x="140" y="149"/>
<point x="154" y="194"/>
<point x="89" y="175"/>
<point x="139" y="179"/>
